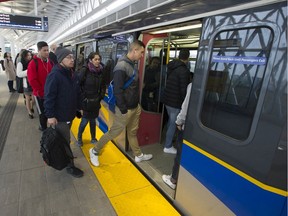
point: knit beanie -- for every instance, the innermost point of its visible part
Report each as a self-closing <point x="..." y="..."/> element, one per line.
<point x="62" y="53"/>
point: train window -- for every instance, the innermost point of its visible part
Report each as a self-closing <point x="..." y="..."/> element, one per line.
<point x="105" y="48"/>
<point x="122" y="49"/>
<point x="234" y="82"/>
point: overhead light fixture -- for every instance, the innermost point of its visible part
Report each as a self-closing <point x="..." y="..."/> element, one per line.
<point x="96" y="16"/>
<point x="47" y="1"/>
<point x="116" y="4"/>
<point x="177" y="29"/>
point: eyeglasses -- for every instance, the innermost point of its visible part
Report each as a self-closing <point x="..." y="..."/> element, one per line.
<point x="70" y="57"/>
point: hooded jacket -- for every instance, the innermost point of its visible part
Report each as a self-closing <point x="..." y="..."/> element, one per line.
<point x="37" y="74"/>
<point x="62" y="94"/>
<point x="128" y="98"/>
<point x="178" y="78"/>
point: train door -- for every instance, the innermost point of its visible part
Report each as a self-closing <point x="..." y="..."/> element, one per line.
<point x="234" y="160"/>
<point x="152" y="79"/>
<point x="162" y="46"/>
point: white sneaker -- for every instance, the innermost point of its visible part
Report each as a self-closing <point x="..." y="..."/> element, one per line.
<point x="143" y="157"/>
<point x="93" y="157"/>
<point x="167" y="180"/>
<point x="171" y="150"/>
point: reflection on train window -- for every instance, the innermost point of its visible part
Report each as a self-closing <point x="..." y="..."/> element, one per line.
<point x="234" y="80"/>
<point x="105" y="48"/>
<point x="111" y="50"/>
<point x="122" y="49"/>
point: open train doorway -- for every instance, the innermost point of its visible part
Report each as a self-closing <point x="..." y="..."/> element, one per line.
<point x="162" y="46"/>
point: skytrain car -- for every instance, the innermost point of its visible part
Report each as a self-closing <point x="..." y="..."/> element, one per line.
<point x="234" y="157"/>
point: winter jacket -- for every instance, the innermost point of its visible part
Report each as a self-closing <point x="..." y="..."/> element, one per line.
<point x="92" y="85"/>
<point x="9" y="69"/>
<point x="37" y="75"/>
<point x="128" y="98"/>
<point x="176" y="84"/>
<point x="62" y="94"/>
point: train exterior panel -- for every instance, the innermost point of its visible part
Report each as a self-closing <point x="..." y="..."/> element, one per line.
<point x="235" y="143"/>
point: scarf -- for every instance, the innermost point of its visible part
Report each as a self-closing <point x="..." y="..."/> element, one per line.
<point x="94" y="69"/>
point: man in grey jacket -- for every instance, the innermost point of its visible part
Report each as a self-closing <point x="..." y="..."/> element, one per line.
<point x="127" y="110"/>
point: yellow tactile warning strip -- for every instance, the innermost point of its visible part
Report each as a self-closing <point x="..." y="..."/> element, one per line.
<point x="129" y="191"/>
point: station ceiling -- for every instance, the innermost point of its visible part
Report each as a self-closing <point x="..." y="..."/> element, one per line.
<point x="57" y="11"/>
<point x="71" y="19"/>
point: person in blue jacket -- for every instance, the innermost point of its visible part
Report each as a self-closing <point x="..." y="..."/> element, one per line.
<point x="62" y="99"/>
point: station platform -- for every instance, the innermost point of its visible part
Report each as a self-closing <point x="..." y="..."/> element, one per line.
<point x="29" y="187"/>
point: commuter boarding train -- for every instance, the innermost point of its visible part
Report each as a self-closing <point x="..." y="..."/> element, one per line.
<point x="234" y="158"/>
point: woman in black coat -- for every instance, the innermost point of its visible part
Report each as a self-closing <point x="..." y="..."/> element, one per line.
<point x="93" y="90"/>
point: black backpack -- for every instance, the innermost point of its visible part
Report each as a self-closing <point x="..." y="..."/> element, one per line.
<point x="55" y="149"/>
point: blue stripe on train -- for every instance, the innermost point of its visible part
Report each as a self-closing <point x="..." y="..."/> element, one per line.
<point x="239" y="195"/>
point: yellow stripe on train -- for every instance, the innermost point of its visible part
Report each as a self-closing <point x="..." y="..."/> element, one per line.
<point x="238" y="172"/>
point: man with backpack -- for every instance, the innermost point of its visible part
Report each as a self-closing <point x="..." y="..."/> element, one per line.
<point x="62" y="100"/>
<point x="127" y="111"/>
<point x="38" y="69"/>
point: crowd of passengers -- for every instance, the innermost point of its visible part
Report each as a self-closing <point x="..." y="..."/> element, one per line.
<point x="49" y="83"/>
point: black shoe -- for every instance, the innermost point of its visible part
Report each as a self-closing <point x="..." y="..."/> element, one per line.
<point x="31" y="116"/>
<point x="74" y="171"/>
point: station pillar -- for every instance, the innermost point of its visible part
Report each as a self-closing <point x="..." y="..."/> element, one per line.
<point x="13" y="50"/>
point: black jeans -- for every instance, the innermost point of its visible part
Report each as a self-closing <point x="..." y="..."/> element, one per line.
<point x="83" y="123"/>
<point x="40" y="108"/>
<point x="176" y="165"/>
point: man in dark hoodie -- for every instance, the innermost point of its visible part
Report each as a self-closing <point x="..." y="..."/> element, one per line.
<point x="63" y="99"/>
<point x="178" y="78"/>
<point x="127" y="110"/>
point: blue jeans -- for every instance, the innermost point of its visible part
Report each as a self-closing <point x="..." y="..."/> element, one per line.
<point x="171" y="126"/>
<point x="83" y="123"/>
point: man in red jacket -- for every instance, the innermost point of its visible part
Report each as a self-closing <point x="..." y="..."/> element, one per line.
<point x="38" y="69"/>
